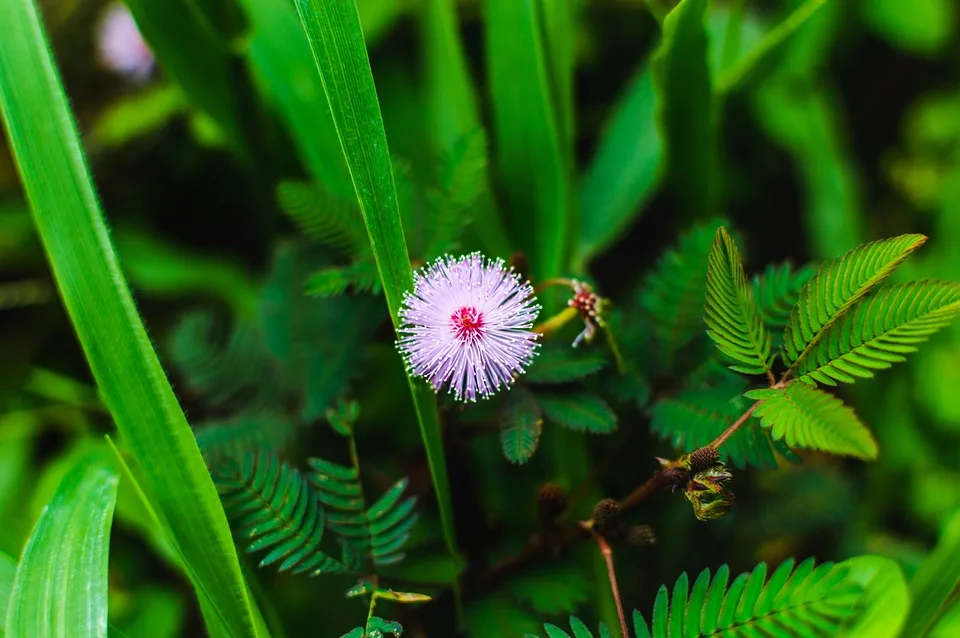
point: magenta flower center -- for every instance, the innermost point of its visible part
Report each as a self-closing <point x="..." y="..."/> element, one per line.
<point x="467" y="323"/>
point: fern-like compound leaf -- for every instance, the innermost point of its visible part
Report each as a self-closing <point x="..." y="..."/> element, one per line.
<point x="838" y="285"/>
<point x="361" y="276"/>
<point x="579" y="629"/>
<point x="879" y="330"/>
<point x="559" y="363"/>
<point x="271" y="504"/>
<point x="672" y="295"/>
<point x="777" y="290"/>
<point x="732" y="315"/>
<point x="579" y="411"/>
<point x="793" y="603"/>
<point x="460" y="179"/>
<point x="804" y="416"/>
<point x="323" y="218"/>
<point x="520" y="425"/>
<point x="378" y="532"/>
<point x="694" y="418"/>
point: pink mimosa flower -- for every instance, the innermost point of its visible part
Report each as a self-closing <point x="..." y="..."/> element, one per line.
<point x="467" y="326"/>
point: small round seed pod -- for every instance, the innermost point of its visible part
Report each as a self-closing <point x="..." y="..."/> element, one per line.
<point x="606" y="515"/>
<point x="703" y="458"/>
<point x="641" y="535"/>
<point x="551" y="502"/>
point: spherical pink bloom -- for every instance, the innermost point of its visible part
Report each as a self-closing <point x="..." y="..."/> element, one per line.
<point x="467" y="326"/>
<point x="120" y="46"/>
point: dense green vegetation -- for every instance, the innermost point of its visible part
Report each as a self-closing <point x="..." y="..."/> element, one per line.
<point x="480" y="317"/>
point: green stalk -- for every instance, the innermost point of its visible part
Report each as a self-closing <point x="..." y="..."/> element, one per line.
<point x="336" y="39"/>
<point x="47" y="150"/>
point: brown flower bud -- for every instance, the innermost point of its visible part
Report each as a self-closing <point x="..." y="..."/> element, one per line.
<point x="551" y="501"/>
<point x="641" y="535"/>
<point x="606" y="515"/>
<point x="705" y="457"/>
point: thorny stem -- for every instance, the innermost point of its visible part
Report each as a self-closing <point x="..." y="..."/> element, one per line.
<point x="607" y="552"/>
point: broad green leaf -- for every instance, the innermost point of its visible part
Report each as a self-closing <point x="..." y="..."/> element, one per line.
<point x="949" y="624"/>
<point x="936" y="582"/>
<point x="732" y="315"/>
<point x="528" y="134"/>
<point x="280" y="58"/>
<point x="451" y="101"/>
<point x="199" y="60"/>
<point x="333" y="30"/>
<point x="686" y="107"/>
<point x="520" y="425"/>
<point x="45" y="144"/>
<point x="879" y="330"/>
<point x="559" y="363"/>
<point x="8" y="568"/>
<point x="926" y="28"/>
<point x="582" y="412"/>
<point x="773" y="40"/>
<point x="886" y="599"/>
<point x="60" y="587"/>
<point x="804" y="416"/>
<point x="836" y="287"/>
<point x="624" y="172"/>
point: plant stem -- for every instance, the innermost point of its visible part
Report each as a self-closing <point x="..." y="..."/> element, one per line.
<point x="726" y="434"/>
<point x="557" y="321"/>
<point x="607" y="553"/>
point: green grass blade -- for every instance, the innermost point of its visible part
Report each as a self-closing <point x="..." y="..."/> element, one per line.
<point x="452" y="104"/>
<point x="45" y="144"/>
<point x="527" y="134"/>
<point x="60" y="587"/>
<point x="195" y="55"/>
<point x="280" y="57"/>
<point x="8" y="568"/>
<point x="686" y="107"/>
<point x="624" y="172"/>
<point x="774" y="40"/>
<point x="936" y="582"/>
<point x="333" y="30"/>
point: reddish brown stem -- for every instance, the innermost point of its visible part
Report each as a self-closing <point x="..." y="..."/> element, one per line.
<point x="720" y="440"/>
<point x="607" y="552"/>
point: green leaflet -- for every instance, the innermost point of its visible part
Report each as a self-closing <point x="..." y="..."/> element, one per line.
<point x="47" y="149"/>
<point x="673" y="293"/>
<point x="777" y="291"/>
<point x="837" y="286"/>
<point x="273" y="506"/>
<point x="559" y="363"/>
<point x="805" y="601"/>
<point x="60" y="587"/>
<point x="336" y="39"/>
<point x="732" y="315"/>
<point x="376" y="533"/>
<point x="694" y="418"/>
<point x="580" y="411"/>
<point x="935" y="585"/>
<point x="879" y="330"/>
<point x="886" y="598"/>
<point x="8" y="568"/>
<point x="520" y="425"/>
<point x="803" y="416"/>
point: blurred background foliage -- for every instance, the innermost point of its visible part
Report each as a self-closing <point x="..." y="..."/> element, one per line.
<point x="209" y="158"/>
